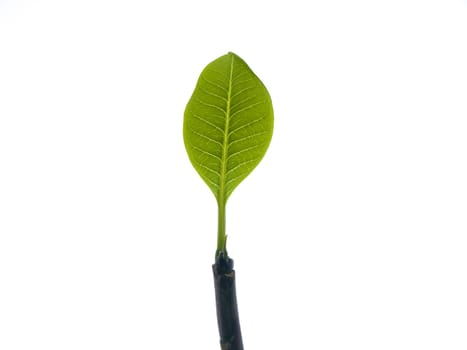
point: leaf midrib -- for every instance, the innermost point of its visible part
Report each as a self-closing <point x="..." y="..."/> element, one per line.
<point x="225" y="146"/>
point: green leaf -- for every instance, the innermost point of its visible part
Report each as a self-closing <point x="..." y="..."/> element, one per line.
<point x="227" y="128"/>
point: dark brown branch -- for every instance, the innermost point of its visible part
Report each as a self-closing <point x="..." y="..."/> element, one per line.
<point x="226" y="303"/>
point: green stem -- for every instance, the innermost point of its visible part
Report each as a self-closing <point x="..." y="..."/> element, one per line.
<point x="221" y="236"/>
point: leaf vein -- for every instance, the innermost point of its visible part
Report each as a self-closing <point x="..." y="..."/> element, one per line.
<point x="206" y="137"/>
<point x="246" y="125"/>
<point x="210" y="181"/>
<point x="245" y="100"/>
<point x="208" y="122"/>
<point x="243" y="90"/>
<point x="206" y="152"/>
<point x="211" y="105"/>
<point x="240" y="75"/>
<point x="242" y="151"/>
<point x="247" y="137"/>
<point x="234" y="178"/>
<point x="244" y="81"/>
<point x="253" y="105"/>
<point x="214" y="84"/>
<point x="240" y="165"/>
<point x="213" y="94"/>
<point x="208" y="168"/>
<point x="220" y="73"/>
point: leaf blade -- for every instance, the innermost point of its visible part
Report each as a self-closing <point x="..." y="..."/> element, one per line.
<point x="228" y="124"/>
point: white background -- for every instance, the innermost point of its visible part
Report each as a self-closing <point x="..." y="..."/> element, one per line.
<point x="351" y="233"/>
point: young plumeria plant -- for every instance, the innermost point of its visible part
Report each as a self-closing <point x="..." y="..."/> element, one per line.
<point x="227" y="129"/>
